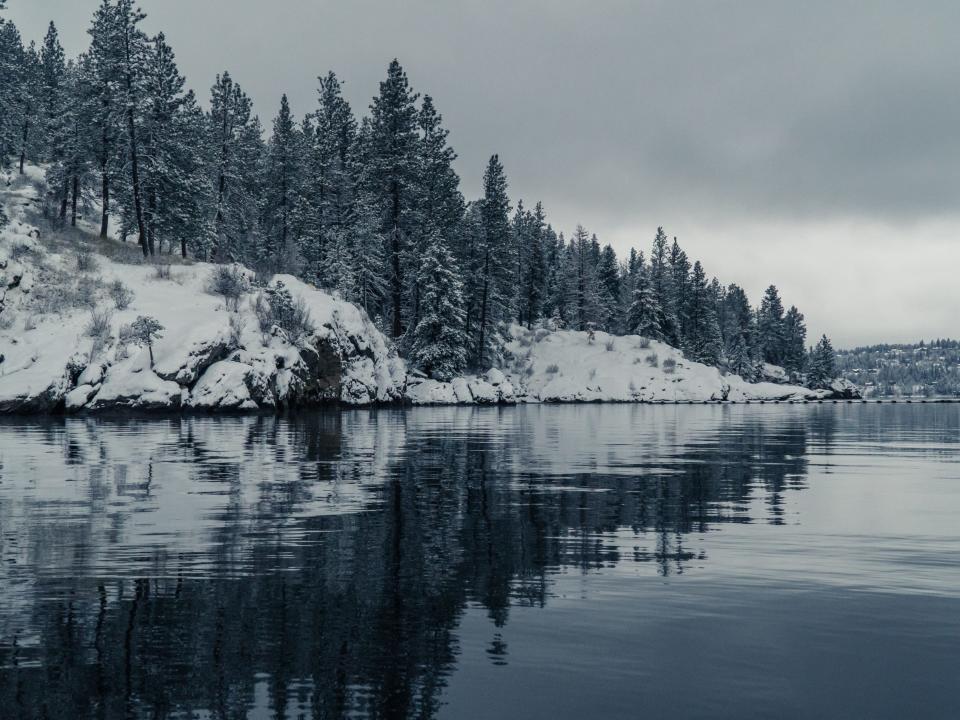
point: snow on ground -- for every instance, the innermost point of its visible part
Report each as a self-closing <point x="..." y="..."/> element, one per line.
<point x="572" y="366"/>
<point x="207" y="356"/>
<point x="213" y="357"/>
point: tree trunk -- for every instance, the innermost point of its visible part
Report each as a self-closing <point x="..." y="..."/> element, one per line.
<point x="397" y="280"/>
<point x="152" y="204"/>
<point x="73" y="208"/>
<point x="64" y="197"/>
<point x="183" y="248"/>
<point x="134" y="154"/>
<point x="105" y="201"/>
<point x="23" y="145"/>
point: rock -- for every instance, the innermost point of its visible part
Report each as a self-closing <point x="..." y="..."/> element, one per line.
<point x="223" y="386"/>
<point x="842" y="389"/>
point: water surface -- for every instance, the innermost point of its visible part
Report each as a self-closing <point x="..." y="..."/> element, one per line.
<point x="594" y="561"/>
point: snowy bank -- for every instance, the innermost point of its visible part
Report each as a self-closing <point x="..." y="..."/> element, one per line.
<point x="572" y="366"/>
<point x="68" y="302"/>
<point x="208" y="355"/>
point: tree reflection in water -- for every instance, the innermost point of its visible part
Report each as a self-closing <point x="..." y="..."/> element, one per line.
<point x="319" y="566"/>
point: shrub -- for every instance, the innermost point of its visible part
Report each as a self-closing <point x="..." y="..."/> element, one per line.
<point x="85" y="294"/>
<point x="6" y="321"/>
<point x="121" y="295"/>
<point x="593" y="373"/>
<point x="146" y="329"/>
<point x="610" y="345"/>
<point x="669" y="365"/>
<point x="100" y="324"/>
<point x="237" y="326"/>
<point x="30" y="322"/>
<point x="276" y="307"/>
<point x="552" y="369"/>
<point x="162" y="271"/>
<point x="637" y="360"/>
<point x="86" y="262"/>
<point x="230" y="282"/>
<point x="644" y="343"/>
<point x="653" y="360"/>
<point x="541" y="334"/>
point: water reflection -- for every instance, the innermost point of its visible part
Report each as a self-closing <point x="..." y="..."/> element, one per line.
<point x="322" y="566"/>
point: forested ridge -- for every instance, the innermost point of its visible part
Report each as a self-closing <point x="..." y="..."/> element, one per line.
<point x="925" y="368"/>
<point x="368" y="206"/>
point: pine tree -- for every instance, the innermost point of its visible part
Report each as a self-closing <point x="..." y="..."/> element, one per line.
<point x="703" y="343"/>
<point x="236" y="147"/>
<point x="280" y="186"/>
<point x="493" y="259"/>
<point x="587" y="302"/>
<point x="645" y="313"/>
<point x="104" y="123"/>
<point x="176" y="181"/>
<point x="661" y="281"/>
<point x="128" y="52"/>
<point x="392" y="178"/>
<point x="534" y="280"/>
<point x="822" y="367"/>
<point x="439" y="203"/>
<point x="608" y="289"/>
<point x="681" y="295"/>
<point x="770" y="327"/>
<point x="328" y="202"/>
<point x="795" y="341"/>
<point x="15" y="95"/>
<point x="439" y="340"/>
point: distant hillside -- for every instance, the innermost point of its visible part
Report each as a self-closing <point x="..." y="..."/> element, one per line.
<point x="921" y="369"/>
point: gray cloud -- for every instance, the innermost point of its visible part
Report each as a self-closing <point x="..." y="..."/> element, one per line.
<point x="742" y="126"/>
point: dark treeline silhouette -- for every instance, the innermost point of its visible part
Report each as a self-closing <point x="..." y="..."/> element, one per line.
<point x="370" y="207"/>
<point x="346" y="614"/>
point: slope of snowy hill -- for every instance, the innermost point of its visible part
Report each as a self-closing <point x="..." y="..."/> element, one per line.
<point x="63" y="343"/>
<point x="69" y="305"/>
<point x="571" y="366"/>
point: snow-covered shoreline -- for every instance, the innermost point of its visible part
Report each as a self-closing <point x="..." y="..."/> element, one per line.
<point x="214" y="353"/>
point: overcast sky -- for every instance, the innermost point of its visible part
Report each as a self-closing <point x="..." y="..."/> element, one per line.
<point x="813" y="145"/>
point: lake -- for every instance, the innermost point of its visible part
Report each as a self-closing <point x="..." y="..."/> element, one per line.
<point x="580" y="561"/>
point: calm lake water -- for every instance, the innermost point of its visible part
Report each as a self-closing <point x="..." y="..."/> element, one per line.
<point x="537" y="562"/>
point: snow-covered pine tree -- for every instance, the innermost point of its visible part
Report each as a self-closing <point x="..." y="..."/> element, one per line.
<point x="661" y="280"/>
<point x="770" y="327"/>
<point x="105" y="118"/>
<point x="494" y="269"/>
<point x="679" y="265"/>
<point x="794" y="342"/>
<point x="644" y="315"/>
<point x="822" y="364"/>
<point x="439" y="202"/>
<point x="608" y="290"/>
<point x="53" y="105"/>
<point x="280" y="183"/>
<point x="738" y="329"/>
<point x="703" y="342"/>
<point x="13" y="83"/>
<point x="329" y="185"/>
<point x="561" y="306"/>
<point x="234" y="137"/>
<point x="534" y="279"/>
<point x="391" y="176"/>
<point x="586" y="300"/>
<point x="438" y="346"/>
<point x="127" y="52"/>
<point x="176" y="180"/>
<point x="368" y="257"/>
